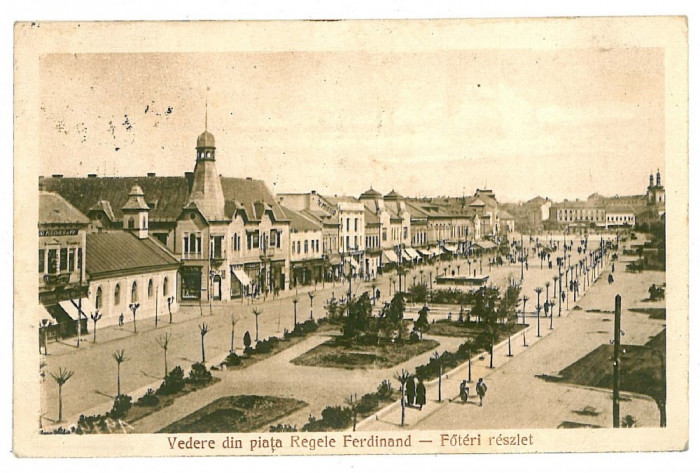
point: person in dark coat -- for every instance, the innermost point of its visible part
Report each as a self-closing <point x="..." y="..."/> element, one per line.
<point x="464" y="391"/>
<point x="481" y="390"/>
<point x="410" y="391"/>
<point x="420" y="394"/>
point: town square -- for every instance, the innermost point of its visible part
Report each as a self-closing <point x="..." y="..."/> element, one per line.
<point x="384" y="240"/>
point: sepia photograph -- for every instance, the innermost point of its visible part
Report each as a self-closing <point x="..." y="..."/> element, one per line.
<point x="353" y="237"/>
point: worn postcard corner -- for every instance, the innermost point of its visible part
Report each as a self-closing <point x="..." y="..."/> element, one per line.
<point x="353" y="237"/>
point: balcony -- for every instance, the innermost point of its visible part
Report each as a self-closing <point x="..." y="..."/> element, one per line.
<point x="191" y="256"/>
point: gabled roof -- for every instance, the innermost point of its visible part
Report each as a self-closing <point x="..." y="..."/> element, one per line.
<point x="370" y="194"/>
<point x="502" y="214"/>
<point x="248" y="194"/>
<point x="86" y="193"/>
<point x="170" y="193"/>
<point x="103" y="206"/>
<point x="54" y="209"/>
<point x="114" y="252"/>
<point x="301" y="223"/>
<point x="393" y="195"/>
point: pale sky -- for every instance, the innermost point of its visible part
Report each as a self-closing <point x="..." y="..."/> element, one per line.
<point x="556" y="123"/>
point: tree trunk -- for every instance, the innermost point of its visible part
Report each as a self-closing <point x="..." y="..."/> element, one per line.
<point x="403" y="405"/>
<point x="469" y="363"/>
<point x="203" y="359"/>
<point x="119" y="381"/>
<point x="491" y="358"/>
<point x="165" y="361"/>
<point x="60" y="403"/>
<point x="661" y="404"/>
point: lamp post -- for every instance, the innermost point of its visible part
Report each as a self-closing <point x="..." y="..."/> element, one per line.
<point x="156" y="305"/>
<point x="133" y="307"/>
<point x="538" y="307"/>
<point x="311" y="298"/>
<point x="525" y="299"/>
<point x="295" y="300"/>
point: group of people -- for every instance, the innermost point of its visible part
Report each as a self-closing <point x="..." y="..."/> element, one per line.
<point x="480" y="390"/>
<point x="415" y="395"/>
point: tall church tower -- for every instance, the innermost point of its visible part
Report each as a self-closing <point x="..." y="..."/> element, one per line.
<point x="206" y="191"/>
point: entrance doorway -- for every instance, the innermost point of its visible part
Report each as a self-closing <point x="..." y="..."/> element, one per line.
<point x="216" y="288"/>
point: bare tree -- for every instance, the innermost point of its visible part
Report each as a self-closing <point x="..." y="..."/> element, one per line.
<point x="119" y="358"/>
<point x="256" y="312"/>
<point x="234" y="319"/>
<point x="402" y="378"/>
<point x="203" y="330"/>
<point x="352" y="402"/>
<point x="95" y="316"/>
<point x="436" y="357"/>
<point x="61" y="378"/>
<point x="163" y="342"/>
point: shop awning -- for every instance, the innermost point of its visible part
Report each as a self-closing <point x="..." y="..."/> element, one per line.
<point x="425" y="253"/>
<point x="354" y="263"/>
<point x="43" y="314"/>
<point x="414" y="254"/>
<point x="437" y="251"/>
<point x="70" y="307"/>
<point x="485" y="244"/>
<point x="406" y="255"/>
<point x="335" y="260"/>
<point x="451" y="248"/>
<point x="241" y="276"/>
<point x="389" y="257"/>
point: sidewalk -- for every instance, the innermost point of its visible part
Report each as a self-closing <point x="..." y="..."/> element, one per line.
<point x="516" y="397"/>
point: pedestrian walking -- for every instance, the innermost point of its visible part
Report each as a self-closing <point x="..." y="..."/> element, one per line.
<point x="464" y="391"/>
<point x="121" y="319"/>
<point x="410" y="391"/>
<point x="610" y="279"/>
<point x="481" y="390"/>
<point x="613" y="268"/>
<point x="420" y="394"/>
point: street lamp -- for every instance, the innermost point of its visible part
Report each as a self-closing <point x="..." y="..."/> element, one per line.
<point x="538" y="307"/>
<point x="133" y="308"/>
<point x="311" y="297"/>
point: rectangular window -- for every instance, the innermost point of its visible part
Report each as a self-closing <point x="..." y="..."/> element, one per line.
<point x="405" y="232"/>
<point x="294" y="248"/>
<point x="299" y="247"/>
<point x="356" y="224"/>
<point x="64" y="259"/>
<point x="347" y="242"/>
<point x="273" y="238"/>
<point x="253" y="239"/>
<point x="383" y="234"/>
<point x="41" y="261"/>
<point x="71" y="260"/>
<point x="80" y="259"/>
<point x="53" y="261"/>
<point x="347" y="224"/>
<point x="356" y="242"/>
<point x="306" y="246"/>
<point x="217" y="247"/>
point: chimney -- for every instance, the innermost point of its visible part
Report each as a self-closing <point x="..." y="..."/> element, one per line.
<point x="189" y="176"/>
<point x="151" y="174"/>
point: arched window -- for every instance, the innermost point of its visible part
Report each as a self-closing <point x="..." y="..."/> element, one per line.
<point x="98" y="298"/>
<point x="117" y="295"/>
<point x="131" y="222"/>
<point x="165" y="287"/>
<point x="134" y="293"/>
<point x="150" y="288"/>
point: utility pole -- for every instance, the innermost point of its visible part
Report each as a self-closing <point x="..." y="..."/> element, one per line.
<point x="616" y="363"/>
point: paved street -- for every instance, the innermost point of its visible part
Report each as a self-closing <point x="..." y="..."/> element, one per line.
<point x="93" y="387"/>
<point x="517" y="398"/>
